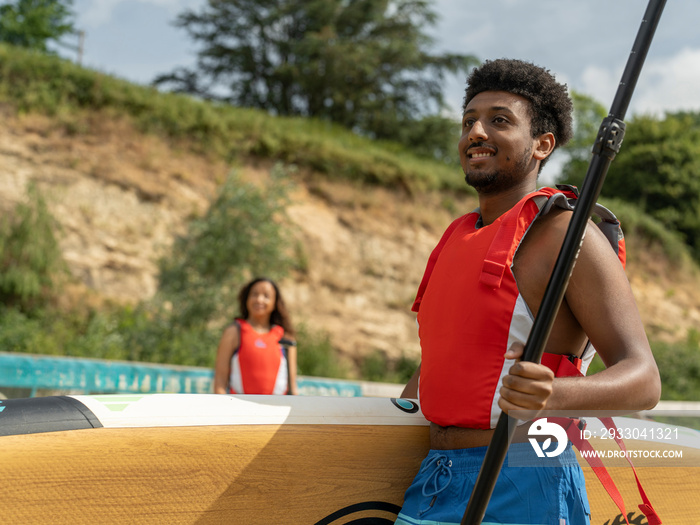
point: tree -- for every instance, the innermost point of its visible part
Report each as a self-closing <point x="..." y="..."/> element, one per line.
<point x="658" y="169"/>
<point x="364" y="64"/>
<point x="33" y="23"/>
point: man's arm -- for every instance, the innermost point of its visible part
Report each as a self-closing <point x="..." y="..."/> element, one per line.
<point x="600" y="299"/>
<point x="410" y="391"/>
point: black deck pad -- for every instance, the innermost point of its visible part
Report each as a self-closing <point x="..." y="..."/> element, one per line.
<point x="44" y="414"/>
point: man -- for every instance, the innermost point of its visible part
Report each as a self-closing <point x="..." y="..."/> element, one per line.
<point x="483" y="287"/>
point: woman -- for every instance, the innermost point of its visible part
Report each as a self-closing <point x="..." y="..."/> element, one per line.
<point x="257" y="353"/>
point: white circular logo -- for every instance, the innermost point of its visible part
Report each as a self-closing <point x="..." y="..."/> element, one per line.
<point x="542" y="427"/>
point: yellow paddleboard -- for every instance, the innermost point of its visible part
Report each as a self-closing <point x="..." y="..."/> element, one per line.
<point x="254" y="460"/>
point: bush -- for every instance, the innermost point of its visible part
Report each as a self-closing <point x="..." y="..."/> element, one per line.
<point x="378" y="367"/>
<point x="317" y="357"/>
<point x="679" y="367"/>
<point x="639" y="227"/>
<point x="30" y="257"/>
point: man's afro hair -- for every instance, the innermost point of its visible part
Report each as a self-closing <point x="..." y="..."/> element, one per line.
<point x="550" y="105"/>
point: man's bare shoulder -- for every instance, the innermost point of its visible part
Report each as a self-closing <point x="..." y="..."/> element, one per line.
<point x="543" y="241"/>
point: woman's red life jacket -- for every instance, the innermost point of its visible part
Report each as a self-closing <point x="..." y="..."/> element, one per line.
<point x="259" y="365"/>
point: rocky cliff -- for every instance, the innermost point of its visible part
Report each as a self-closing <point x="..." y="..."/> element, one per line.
<point x="120" y="197"/>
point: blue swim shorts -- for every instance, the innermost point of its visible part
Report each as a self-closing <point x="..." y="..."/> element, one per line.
<point x="529" y="490"/>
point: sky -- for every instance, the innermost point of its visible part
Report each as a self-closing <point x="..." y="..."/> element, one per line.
<point x="584" y="43"/>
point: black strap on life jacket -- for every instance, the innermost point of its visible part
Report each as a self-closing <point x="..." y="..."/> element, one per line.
<point x="607" y="222"/>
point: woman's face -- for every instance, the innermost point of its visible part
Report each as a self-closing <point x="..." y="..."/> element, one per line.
<point x="261" y="299"/>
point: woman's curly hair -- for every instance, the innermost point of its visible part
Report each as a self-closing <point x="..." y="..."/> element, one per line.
<point x="550" y="105"/>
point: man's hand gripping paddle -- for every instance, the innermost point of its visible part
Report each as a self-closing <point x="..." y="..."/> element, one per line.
<point x="606" y="146"/>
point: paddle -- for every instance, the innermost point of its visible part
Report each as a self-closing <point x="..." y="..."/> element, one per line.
<point x="606" y="146"/>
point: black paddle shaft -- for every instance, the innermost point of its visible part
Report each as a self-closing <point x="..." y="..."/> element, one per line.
<point x="606" y="146"/>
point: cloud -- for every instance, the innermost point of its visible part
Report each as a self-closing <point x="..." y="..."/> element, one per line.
<point x="665" y="84"/>
<point x="600" y="83"/>
<point x="670" y="84"/>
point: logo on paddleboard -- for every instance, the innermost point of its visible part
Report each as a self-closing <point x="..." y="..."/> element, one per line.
<point x="366" y="513"/>
<point x="406" y="405"/>
<point x="542" y="427"/>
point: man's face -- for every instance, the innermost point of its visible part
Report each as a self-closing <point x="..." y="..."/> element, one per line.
<point x="496" y="146"/>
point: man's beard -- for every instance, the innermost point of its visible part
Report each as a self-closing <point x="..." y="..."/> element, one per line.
<point x="496" y="181"/>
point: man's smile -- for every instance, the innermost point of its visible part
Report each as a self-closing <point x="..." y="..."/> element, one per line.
<point x="479" y="151"/>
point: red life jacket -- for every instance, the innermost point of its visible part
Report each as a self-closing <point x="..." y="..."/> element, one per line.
<point x="470" y="311"/>
<point x="259" y="365"/>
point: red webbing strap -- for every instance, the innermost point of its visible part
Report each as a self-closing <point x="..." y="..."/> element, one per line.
<point x="622" y="252"/>
<point x="563" y="367"/>
<point x="574" y="434"/>
<point x="646" y="508"/>
<point x="502" y="245"/>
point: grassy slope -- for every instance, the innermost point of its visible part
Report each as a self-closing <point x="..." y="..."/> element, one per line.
<point x="33" y="82"/>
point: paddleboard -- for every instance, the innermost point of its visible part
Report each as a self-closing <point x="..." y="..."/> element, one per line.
<point x="249" y="460"/>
